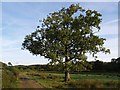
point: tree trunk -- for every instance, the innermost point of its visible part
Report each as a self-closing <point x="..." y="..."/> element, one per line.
<point x="67" y="76"/>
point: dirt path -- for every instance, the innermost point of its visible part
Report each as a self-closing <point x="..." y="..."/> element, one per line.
<point x="26" y="82"/>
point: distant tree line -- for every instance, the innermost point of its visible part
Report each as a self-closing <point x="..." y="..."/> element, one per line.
<point x="95" y="66"/>
<point x="113" y="66"/>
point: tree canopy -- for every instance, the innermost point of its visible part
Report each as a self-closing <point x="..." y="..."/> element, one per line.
<point x="65" y="37"/>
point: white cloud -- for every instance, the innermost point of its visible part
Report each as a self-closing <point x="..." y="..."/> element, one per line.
<point x="17" y="56"/>
<point x="111" y="22"/>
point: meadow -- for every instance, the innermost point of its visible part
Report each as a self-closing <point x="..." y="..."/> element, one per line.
<point x="80" y="80"/>
<point x="14" y="75"/>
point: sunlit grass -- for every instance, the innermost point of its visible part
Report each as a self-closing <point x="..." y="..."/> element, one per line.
<point x="55" y="80"/>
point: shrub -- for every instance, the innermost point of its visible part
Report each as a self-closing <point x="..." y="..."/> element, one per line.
<point x="9" y="77"/>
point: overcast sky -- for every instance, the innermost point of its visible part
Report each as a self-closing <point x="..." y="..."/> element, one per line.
<point x="20" y="19"/>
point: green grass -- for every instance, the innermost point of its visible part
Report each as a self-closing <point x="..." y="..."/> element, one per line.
<point x="0" y="78"/>
<point x="9" y="77"/>
<point x="93" y="76"/>
<point x="83" y="80"/>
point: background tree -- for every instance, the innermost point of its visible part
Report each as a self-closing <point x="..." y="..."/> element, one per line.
<point x="98" y="66"/>
<point x="66" y="36"/>
<point x="115" y="64"/>
<point x="9" y="63"/>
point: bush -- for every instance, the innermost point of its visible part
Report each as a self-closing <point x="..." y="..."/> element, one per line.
<point x="9" y="77"/>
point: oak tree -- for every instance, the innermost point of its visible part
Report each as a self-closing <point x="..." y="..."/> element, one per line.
<point x="65" y="37"/>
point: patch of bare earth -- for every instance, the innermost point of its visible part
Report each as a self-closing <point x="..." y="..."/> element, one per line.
<point x="25" y="83"/>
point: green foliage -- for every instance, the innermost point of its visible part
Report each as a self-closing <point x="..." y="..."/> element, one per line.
<point x="66" y="36"/>
<point x="9" y="63"/>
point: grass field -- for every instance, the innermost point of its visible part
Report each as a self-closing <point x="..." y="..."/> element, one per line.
<point x="0" y="78"/>
<point x="82" y="80"/>
<point x="11" y="79"/>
